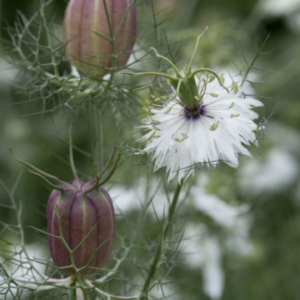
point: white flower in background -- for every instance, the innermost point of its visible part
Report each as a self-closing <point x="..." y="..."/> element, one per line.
<point x="213" y="274"/>
<point x="204" y="249"/>
<point x="279" y="7"/>
<point x="234" y="220"/>
<point x="136" y="197"/>
<point x="8" y="72"/>
<point x="217" y="128"/>
<point x="227" y="216"/>
<point x="21" y="267"/>
<point x="205" y="252"/>
<point x="278" y="171"/>
<point x="275" y="173"/>
<point x="288" y="10"/>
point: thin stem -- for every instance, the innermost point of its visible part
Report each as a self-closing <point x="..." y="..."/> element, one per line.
<point x="71" y="151"/>
<point x="73" y="295"/>
<point x="177" y="93"/>
<point x="212" y="72"/>
<point x="168" y="61"/>
<point x="172" y="208"/>
<point x="152" y="73"/>
<point x="254" y="60"/>
<point x="113" y="271"/>
<point x="107" y="295"/>
<point x="101" y="136"/>
<point x="113" y="42"/>
<point x="49" y="39"/>
<point x="111" y="156"/>
<point x="156" y="260"/>
<point x="34" y="169"/>
<point x="98" y="152"/>
<point x="93" y="187"/>
<point x="154" y="22"/>
<point x="113" y="46"/>
<point x="189" y="67"/>
<point x="22" y="236"/>
<point x="49" y="183"/>
<point x="111" y="172"/>
<point x="99" y="183"/>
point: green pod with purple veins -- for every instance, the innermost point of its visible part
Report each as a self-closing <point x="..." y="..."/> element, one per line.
<point x="88" y="36"/>
<point x="85" y="222"/>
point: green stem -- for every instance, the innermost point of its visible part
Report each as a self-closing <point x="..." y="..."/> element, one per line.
<point x="49" y="183"/>
<point x="98" y="152"/>
<point x="71" y="151"/>
<point x="189" y="68"/>
<point x="155" y="263"/>
<point x="49" y="40"/>
<point x="155" y="24"/>
<point x="35" y="169"/>
<point x="254" y="60"/>
<point x="110" y="160"/>
<point x="111" y="172"/>
<point x="212" y="72"/>
<point x="168" y="61"/>
<point x="153" y="74"/>
<point x="177" y="91"/>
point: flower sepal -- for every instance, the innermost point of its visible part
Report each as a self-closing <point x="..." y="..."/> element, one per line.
<point x="185" y="83"/>
<point x="187" y="91"/>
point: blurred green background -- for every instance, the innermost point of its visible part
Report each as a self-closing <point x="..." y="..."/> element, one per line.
<point x="269" y="183"/>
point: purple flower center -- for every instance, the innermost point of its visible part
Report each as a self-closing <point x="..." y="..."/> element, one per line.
<point x="194" y="113"/>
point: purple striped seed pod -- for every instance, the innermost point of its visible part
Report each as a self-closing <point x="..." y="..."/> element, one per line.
<point x="85" y="221"/>
<point x="87" y="34"/>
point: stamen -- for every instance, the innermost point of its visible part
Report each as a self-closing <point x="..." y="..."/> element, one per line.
<point x="214" y="126"/>
<point x="155" y="122"/>
<point x="234" y="115"/>
<point x="169" y="109"/>
<point x="222" y="79"/>
<point x="154" y="136"/>
<point x="214" y="95"/>
<point x="211" y="78"/>
<point x="235" y="87"/>
<point x="184" y="137"/>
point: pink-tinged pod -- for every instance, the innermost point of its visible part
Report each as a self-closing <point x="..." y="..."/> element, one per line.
<point x="86" y="32"/>
<point x="85" y="222"/>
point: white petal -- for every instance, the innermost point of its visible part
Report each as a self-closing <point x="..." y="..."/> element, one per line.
<point x="220" y="133"/>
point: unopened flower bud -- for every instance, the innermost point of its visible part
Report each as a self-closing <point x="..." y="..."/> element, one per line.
<point x="99" y="37"/>
<point x="81" y="226"/>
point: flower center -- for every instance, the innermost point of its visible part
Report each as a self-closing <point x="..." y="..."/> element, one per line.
<point x="194" y="113"/>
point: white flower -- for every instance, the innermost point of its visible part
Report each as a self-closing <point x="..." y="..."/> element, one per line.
<point x="217" y="129"/>
<point x="278" y="7"/>
<point x="234" y="220"/>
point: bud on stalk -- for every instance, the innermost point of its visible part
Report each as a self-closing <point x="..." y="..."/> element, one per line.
<point x="99" y="34"/>
<point x="83" y="223"/>
<point x="80" y="217"/>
